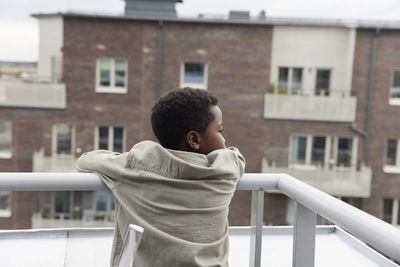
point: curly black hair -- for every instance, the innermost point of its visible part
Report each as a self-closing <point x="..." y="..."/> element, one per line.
<point x="179" y="112"/>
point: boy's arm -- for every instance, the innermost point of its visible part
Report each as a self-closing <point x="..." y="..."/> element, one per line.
<point x="106" y="163"/>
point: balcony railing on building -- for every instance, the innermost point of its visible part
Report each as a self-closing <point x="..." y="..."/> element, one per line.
<point x="333" y="180"/>
<point x="324" y="105"/>
<point x="53" y="163"/>
<point x="33" y="92"/>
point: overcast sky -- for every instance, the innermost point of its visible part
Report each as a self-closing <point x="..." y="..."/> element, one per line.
<point x="19" y="32"/>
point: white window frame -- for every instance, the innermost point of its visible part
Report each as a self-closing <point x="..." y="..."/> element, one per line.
<point x="110" y="137"/>
<point x="308" y="165"/>
<point x="109" y="211"/>
<point x="6" y="212"/>
<point x="328" y="148"/>
<point x="395" y="210"/>
<point x="62" y="215"/>
<point x="111" y="89"/>
<point x="193" y="85"/>
<point x="395" y="101"/>
<point x="8" y="154"/>
<point x="392" y="168"/>
<point x="354" y="151"/>
<point x="290" y="79"/>
<point x="54" y="141"/>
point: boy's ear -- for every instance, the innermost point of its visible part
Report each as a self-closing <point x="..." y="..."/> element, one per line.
<point x="193" y="140"/>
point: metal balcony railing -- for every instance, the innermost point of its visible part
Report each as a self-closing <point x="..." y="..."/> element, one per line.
<point x="308" y="203"/>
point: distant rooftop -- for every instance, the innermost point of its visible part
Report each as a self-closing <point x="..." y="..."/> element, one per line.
<point x="236" y="17"/>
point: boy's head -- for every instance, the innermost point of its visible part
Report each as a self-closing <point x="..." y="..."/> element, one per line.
<point x="188" y="119"/>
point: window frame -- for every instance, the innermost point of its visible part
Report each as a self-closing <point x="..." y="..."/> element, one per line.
<point x="203" y="85"/>
<point x="289" y="84"/>
<point x="5" y="213"/>
<point x="331" y="152"/>
<point x="354" y="149"/>
<point x="308" y="159"/>
<point x="317" y="91"/>
<point x="112" y="89"/>
<point x="54" y="141"/>
<point x="8" y="154"/>
<point x="395" y="101"/>
<point x="110" y="142"/>
<point x="395" y="211"/>
<point x="392" y="168"/>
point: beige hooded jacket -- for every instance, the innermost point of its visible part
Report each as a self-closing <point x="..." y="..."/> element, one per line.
<point x="181" y="199"/>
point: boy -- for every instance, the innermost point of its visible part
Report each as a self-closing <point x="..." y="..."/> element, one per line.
<point x="179" y="190"/>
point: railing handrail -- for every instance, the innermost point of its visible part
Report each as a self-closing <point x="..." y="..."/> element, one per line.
<point x="377" y="233"/>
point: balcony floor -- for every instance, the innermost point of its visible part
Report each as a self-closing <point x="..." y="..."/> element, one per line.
<point x="63" y="247"/>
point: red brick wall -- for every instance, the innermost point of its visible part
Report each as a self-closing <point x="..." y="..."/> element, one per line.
<point x="383" y="120"/>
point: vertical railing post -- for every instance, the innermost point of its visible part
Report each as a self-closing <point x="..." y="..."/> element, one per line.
<point x="257" y="215"/>
<point x="303" y="236"/>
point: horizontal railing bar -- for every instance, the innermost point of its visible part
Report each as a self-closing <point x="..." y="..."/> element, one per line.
<point x="379" y="234"/>
<point x="375" y="232"/>
<point x="44" y="181"/>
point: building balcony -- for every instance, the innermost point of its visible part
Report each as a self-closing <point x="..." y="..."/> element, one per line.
<point x="335" y="107"/>
<point x="32" y="94"/>
<point x="39" y="222"/>
<point x="356" y="239"/>
<point x="54" y="163"/>
<point x="336" y="181"/>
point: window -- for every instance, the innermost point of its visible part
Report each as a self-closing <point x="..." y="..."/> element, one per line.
<point x="63" y="139"/>
<point x="344" y="152"/>
<point x="63" y="202"/>
<point x="322" y="83"/>
<point x="111" y="75"/>
<point x="290" y="80"/>
<point x="309" y="150"/>
<point x="194" y="75"/>
<point x="391" y="211"/>
<point x="5" y="204"/>
<point x="104" y="202"/>
<point x="110" y="138"/>
<point x="395" y="89"/>
<point x="392" y="156"/>
<point x="315" y="151"/>
<point x="5" y="139"/>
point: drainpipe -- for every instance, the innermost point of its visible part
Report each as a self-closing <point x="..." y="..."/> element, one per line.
<point x="369" y="95"/>
<point x="160" y="58"/>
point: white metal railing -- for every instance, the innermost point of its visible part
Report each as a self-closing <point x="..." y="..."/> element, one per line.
<point x="309" y="202"/>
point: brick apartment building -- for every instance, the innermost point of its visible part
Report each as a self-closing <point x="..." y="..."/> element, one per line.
<point x="313" y="98"/>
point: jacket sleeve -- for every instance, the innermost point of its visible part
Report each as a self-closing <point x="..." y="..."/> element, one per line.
<point x="107" y="164"/>
<point x="228" y="161"/>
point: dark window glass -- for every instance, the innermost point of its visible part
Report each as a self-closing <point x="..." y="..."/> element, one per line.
<point x="62" y="202"/>
<point x="283" y="78"/>
<point x="101" y="201"/>
<point x="4" y="200"/>
<point x="118" y="139"/>
<point x="299" y="149"/>
<point x="323" y="81"/>
<point x="318" y="151"/>
<point x="387" y="210"/>
<point x="105" y="72"/>
<point x="391" y="152"/>
<point x="64" y="139"/>
<point x="395" y="90"/>
<point x="345" y="147"/>
<point x="120" y="66"/>
<point x="194" y="73"/>
<point x="103" y="137"/>
<point x="296" y="80"/>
